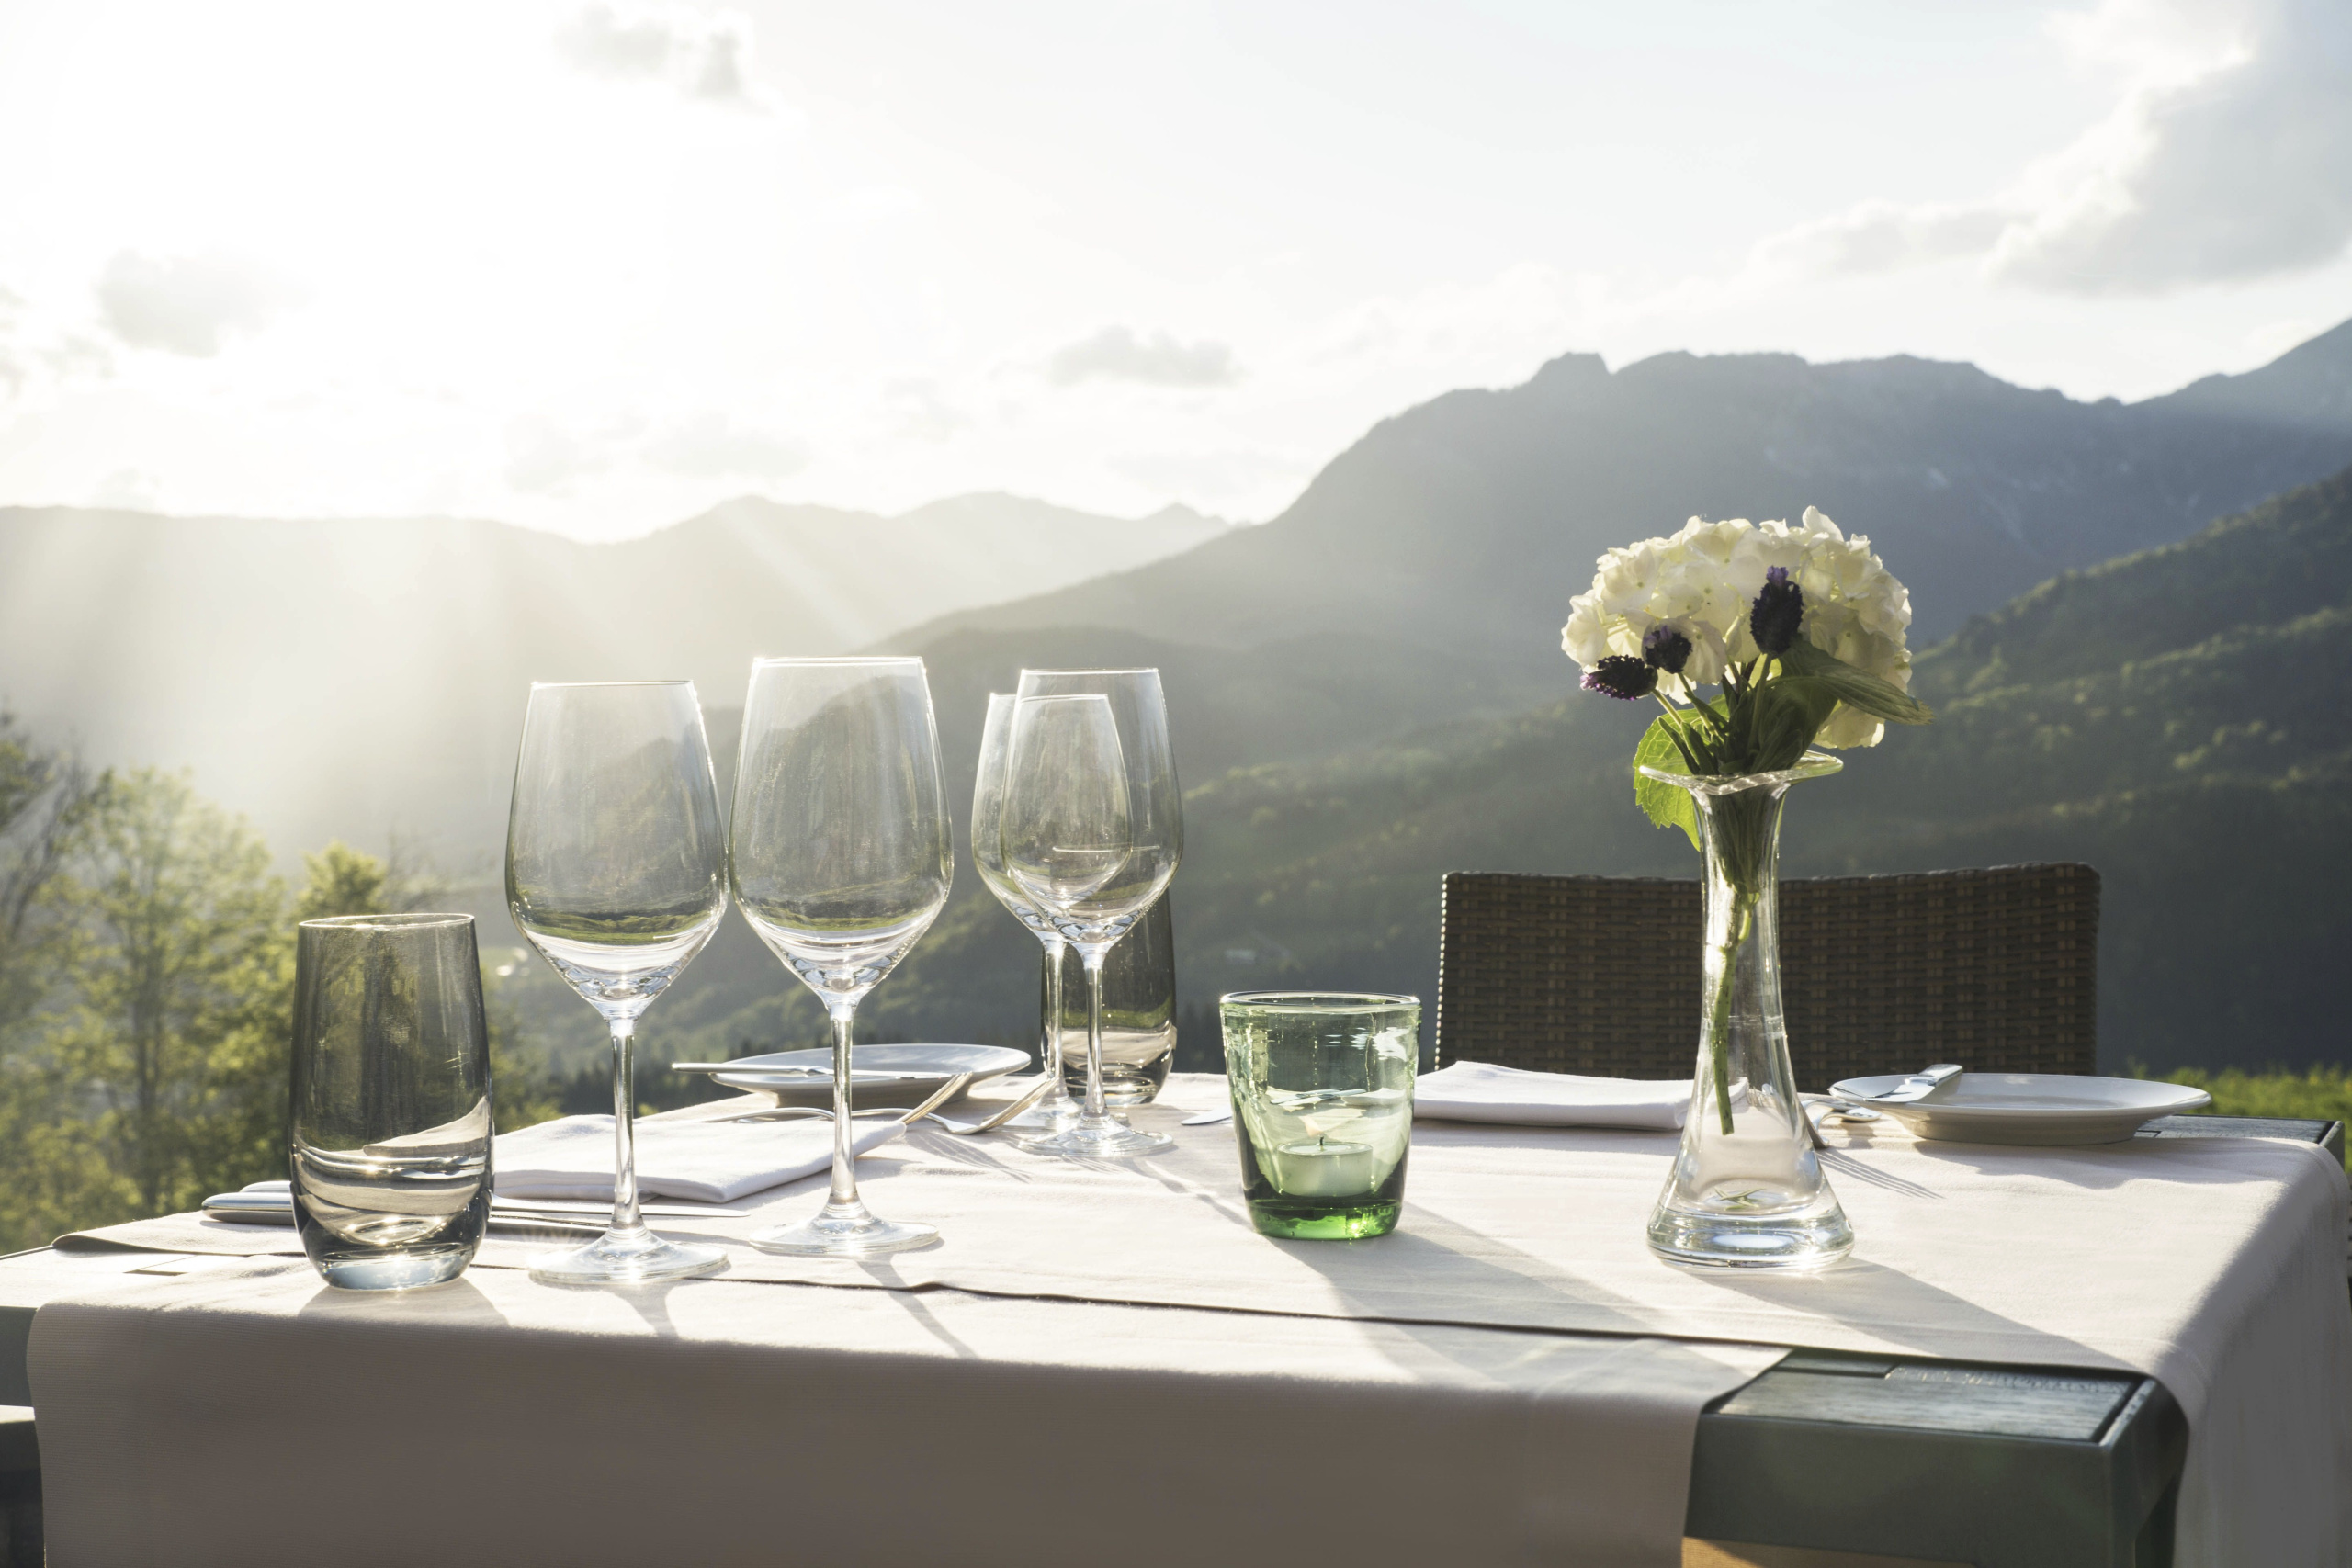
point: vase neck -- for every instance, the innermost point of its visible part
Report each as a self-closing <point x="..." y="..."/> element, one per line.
<point x="1739" y="835"/>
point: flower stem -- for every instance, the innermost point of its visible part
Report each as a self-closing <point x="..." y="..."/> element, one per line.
<point x="1719" y="1007"/>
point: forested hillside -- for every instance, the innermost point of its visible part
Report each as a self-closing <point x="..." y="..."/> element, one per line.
<point x="2174" y="717"/>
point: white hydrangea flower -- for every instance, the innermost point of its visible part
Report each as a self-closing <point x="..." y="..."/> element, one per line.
<point x="1701" y="580"/>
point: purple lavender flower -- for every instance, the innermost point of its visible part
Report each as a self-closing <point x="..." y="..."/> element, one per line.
<point x="1778" y="613"/>
<point x="1665" y="649"/>
<point x="1623" y="676"/>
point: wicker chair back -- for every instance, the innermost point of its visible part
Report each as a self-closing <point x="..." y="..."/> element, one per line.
<point x="1996" y="969"/>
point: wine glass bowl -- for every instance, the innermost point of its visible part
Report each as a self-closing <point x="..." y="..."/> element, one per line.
<point x="1065" y="831"/>
<point x="1092" y="831"/>
<point x="615" y="873"/>
<point x="1054" y="1109"/>
<point x="839" y="857"/>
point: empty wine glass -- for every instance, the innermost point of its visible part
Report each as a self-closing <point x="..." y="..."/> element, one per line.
<point x="614" y="872"/>
<point x="1055" y="1109"/>
<point x="1093" y="830"/>
<point x="841" y="858"/>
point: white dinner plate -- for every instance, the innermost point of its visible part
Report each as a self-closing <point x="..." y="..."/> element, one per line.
<point x="928" y="1067"/>
<point x="2032" y="1108"/>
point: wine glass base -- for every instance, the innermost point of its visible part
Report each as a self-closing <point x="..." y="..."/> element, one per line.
<point x="1047" y="1116"/>
<point x="615" y="1259"/>
<point x="1109" y="1140"/>
<point x="829" y="1235"/>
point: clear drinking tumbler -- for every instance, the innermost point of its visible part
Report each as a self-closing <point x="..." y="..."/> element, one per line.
<point x="389" y="1136"/>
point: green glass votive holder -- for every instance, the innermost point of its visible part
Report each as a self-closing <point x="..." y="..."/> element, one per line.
<point x="1322" y="1085"/>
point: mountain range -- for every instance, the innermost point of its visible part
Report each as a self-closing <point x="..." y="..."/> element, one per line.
<point x="2174" y="717"/>
<point x="1367" y="691"/>
<point x="347" y="677"/>
<point x="1464" y="524"/>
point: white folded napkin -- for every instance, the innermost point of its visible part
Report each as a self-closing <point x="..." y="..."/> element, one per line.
<point x="1480" y="1091"/>
<point x="712" y="1162"/>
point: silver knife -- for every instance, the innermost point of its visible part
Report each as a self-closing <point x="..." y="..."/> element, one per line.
<point x="584" y="1209"/>
<point x="767" y="1070"/>
<point x="262" y="1209"/>
<point x="1919" y="1086"/>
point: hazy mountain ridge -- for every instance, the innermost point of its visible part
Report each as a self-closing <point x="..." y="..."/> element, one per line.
<point x="1468" y="521"/>
<point x="340" y="677"/>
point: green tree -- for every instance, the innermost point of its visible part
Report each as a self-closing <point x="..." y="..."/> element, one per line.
<point x="54" y="1174"/>
<point x="341" y="881"/>
<point x="45" y="796"/>
<point x="346" y="881"/>
<point x="182" y="963"/>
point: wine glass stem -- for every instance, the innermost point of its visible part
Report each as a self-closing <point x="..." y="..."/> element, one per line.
<point x="1092" y="956"/>
<point x="1056" y="1091"/>
<point x="626" y="1221"/>
<point x="844" y="1194"/>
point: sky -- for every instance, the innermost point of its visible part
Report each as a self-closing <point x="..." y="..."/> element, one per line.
<point x="593" y="267"/>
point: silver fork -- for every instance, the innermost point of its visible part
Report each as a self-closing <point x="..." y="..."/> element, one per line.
<point x="940" y="1095"/>
<point x="965" y="1129"/>
<point x="920" y="1112"/>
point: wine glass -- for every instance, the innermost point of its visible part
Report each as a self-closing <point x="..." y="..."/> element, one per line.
<point x="614" y="869"/>
<point x="841" y="858"/>
<point x="1093" y="831"/>
<point x="1055" y="1109"/>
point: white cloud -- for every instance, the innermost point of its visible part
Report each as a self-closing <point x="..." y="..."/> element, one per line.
<point x="703" y="54"/>
<point x="2228" y="157"/>
<point x="919" y="409"/>
<point x="548" y="456"/>
<point x="1211" y="476"/>
<point x="187" y="304"/>
<point x="2237" y="170"/>
<point x="543" y="456"/>
<point x="13" y="366"/>
<point x="127" y="489"/>
<point x="1880" y="236"/>
<point x="37" y="357"/>
<point x="1117" y="354"/>
<point x="711" y="445"/>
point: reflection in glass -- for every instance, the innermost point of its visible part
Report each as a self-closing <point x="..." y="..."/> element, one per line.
<point x="1093" y="830"/>
<point x="390" y="1125"/>
<point x="1056" y="1109"/>
<point x="1322" y="1090"/>
<point x="840" y="857"/>
<point x="615" y="855"/>
<point x="1138" y="1012"/>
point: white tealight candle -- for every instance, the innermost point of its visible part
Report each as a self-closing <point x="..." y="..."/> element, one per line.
<point x="1323" y="1170"/>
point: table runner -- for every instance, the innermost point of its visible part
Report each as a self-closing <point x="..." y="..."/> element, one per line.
<point x="2209" y="1264"/>
<point x="259" y="1418"/>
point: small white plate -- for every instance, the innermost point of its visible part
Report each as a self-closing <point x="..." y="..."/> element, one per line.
<point x="2032" y="1108"/>
<point x="928" y="1067"/>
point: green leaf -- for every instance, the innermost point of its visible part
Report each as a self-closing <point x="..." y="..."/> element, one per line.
<point x="1787" y="713"/>
<point x="1855" y="688"/>
<point x="1664" y="804"/>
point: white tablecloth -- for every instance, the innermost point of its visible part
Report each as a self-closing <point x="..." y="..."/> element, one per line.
<point x="2209" y="1263"/>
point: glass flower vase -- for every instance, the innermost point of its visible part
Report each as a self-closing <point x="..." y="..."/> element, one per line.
<point x="1747" y="1190"/>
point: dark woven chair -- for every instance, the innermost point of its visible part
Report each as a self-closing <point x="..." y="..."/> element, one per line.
<point x="1993" y="969"/>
